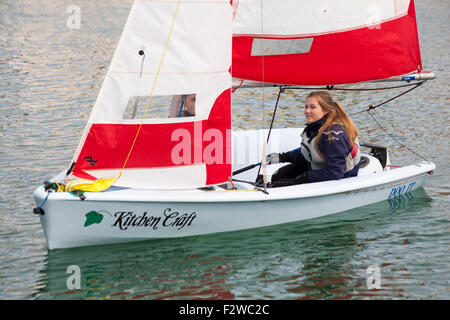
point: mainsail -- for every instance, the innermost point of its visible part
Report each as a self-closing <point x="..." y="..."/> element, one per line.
<point x="170" y="52"/>
<point x="324" y="42"/>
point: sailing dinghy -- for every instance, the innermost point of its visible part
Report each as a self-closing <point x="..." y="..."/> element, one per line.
<point x="158" y="157"/>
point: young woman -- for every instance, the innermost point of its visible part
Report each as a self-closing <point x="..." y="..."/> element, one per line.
<point x="329" y="148"/>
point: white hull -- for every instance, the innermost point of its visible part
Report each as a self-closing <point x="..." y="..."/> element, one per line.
<point x="126" y="215"/>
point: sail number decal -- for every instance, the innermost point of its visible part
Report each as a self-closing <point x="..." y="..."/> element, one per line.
<point x="398" y="191"/>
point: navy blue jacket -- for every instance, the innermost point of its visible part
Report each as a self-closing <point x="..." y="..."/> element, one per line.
<point x="334" y="150"/>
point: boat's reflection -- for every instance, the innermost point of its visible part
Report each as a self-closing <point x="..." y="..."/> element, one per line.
<point x="318" y="259"/>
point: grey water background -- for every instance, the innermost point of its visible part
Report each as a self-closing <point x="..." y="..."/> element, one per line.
<point x="49" y="79"/>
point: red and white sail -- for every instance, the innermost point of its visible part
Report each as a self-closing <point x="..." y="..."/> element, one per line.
<point x="168" y="49"/>
<point x="324" y="42"/>
<point x="174" y="50"/>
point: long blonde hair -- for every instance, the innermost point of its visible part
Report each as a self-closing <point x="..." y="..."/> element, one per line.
<point x="335" y="114"/>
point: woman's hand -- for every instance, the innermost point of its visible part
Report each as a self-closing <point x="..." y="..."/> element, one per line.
<point x="273" y="158"/>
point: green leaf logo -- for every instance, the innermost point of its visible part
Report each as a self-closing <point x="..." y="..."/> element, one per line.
<point x="93" y="217"/>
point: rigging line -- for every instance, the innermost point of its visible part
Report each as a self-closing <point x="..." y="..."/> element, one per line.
<point x="389" y="100"/>
<point x="401" y="144"/>
<point x="154" y="85"/>
<point x="271" y="124"/>
<point x="274" y="112"/>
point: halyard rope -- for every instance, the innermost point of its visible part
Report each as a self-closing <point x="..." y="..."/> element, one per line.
<point x="154" y="85"/>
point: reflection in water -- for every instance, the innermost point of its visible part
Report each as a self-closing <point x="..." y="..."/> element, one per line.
<point x="321" y="258"/>
<point x="154" y="269"/>
<point x="400" y="201"/>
